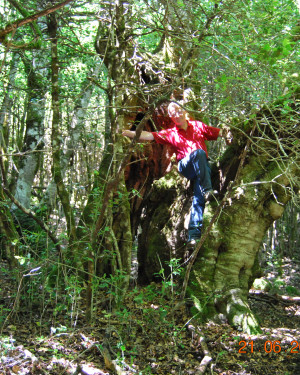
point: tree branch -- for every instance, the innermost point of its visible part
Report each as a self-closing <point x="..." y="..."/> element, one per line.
<point x="34" y="217"/>
<point x="10" y="27"/>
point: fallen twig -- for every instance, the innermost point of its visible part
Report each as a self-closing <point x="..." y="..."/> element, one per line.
<point x="207" y="356"/>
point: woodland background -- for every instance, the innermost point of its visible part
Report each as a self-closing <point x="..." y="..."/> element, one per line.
<point x="94" y="274"/>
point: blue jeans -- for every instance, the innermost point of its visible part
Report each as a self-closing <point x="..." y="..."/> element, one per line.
<point x="195" y="167"/>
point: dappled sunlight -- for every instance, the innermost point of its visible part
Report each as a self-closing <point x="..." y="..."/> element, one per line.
<point x="152" y="332"/>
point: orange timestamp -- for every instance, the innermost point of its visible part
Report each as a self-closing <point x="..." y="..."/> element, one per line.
<point x="269" y="347"/>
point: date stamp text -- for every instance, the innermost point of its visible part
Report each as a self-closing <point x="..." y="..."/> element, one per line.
<point x="247" y="347"/>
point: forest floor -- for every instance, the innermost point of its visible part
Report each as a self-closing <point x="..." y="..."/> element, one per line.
<point x="151" y="332"/>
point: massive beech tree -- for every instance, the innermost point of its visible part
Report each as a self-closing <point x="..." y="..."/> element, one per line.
<point x="257" y="176"/>
<point x="229" y="69"/>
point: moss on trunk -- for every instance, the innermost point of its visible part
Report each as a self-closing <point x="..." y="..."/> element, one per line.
<point x="228" y="260"/>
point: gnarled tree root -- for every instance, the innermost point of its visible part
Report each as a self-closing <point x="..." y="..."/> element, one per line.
<point x="233" y="304"/>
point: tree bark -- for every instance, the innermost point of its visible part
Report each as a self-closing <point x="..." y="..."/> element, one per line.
<point x="227" y="263"/>
<point x="70" y="143"/>
<point x="33" y="141"/>
<point x="10" y="237"/>
<point x="57" y="169"/>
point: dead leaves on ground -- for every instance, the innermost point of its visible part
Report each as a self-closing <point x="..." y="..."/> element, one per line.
<point x="146" y="339"/>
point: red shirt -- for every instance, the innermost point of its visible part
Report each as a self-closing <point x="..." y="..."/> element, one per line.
<point x="186" y="141"/>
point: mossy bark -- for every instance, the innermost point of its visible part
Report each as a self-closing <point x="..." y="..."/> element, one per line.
<point x="226" y="266"/>
<point x="261" y="181"/>
<point x="56" y="143"/>
<point x="9" y="235"/>
<point x="34" y="132"/>
<point x="163" y="225"/>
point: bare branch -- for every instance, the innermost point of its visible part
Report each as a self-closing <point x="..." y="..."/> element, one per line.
<point x="13" y="26"/>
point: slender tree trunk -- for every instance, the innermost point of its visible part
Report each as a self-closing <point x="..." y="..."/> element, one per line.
<point x="105" y="229"/>
<point x="70" y="143"/>
<point x="33" y="142"/>
<point x="56" y="141"/>
<point x="7" y="103"/>
<point x="10" y="237"/>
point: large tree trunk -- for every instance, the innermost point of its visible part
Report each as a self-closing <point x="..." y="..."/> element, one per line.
<point x="105" y="229"/>
<point x="227" y="265"/>
<point x="256" y="182"/>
